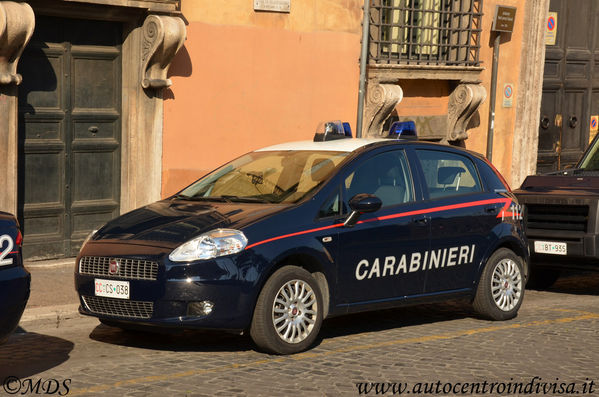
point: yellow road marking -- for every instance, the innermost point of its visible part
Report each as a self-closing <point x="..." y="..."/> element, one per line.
<point x="306" y="355"/>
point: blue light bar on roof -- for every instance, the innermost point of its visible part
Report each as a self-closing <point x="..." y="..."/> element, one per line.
<point x="402" y="129"/>
<point x="331" y="130"/>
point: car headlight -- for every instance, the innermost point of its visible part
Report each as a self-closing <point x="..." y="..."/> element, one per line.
<point x="210" y="245"/>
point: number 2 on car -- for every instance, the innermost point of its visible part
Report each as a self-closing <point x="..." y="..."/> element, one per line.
<point x="4" y="251"/>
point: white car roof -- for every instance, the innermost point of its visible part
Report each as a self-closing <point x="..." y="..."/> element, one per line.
<point x="338" y="145"/>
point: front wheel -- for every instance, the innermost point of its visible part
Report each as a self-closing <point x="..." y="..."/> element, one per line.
<point x="288" y="312"/>
<point x="501" y="286"/>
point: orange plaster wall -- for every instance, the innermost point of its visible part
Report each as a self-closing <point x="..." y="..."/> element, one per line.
<point x="423" y="98"/>
<point x="239" y="88"/>
<point x="508" y="72"/>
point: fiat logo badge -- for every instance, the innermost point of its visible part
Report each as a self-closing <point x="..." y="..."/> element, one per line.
<point x="113" y="266"/>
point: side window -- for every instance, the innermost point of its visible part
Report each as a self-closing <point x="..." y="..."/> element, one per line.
<point x="385" y="175"/>
<point x="448" y="174"/>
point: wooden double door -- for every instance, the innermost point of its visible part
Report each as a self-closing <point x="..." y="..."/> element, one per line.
<point x="570" y="84"/>
<point x="69" y="133"/>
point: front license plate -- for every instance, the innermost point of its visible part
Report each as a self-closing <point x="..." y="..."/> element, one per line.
<point x="112" y="288"/>
<point x="551" y="247"/>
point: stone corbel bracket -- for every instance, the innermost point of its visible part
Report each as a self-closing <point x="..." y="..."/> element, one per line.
<point x="17" y="22"/>
<point x="380" y="103"/>
<point x="463" y="102"/>
<point x="163" y="37"/>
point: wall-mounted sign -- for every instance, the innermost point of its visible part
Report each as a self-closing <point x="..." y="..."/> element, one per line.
<point x="551" y="29"/>
<point x="272" y="5"/>
<point x="508" y="95"/>
<point x="593" y="127"/>
<point x="504" y="19"/>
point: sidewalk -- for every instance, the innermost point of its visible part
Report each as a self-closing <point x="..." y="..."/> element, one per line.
<point x="53" y="297"/>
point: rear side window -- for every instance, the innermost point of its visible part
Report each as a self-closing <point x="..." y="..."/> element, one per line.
<point x="448" y="174"/>
<point x="491" y="177"/>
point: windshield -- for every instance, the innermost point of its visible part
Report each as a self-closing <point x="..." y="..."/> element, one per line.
<point x="590" y="160"/>
<point x="269" y="176"/>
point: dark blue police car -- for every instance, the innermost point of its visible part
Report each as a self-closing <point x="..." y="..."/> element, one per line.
<point x="14" y="278"/>
<point x="286" y="236"/>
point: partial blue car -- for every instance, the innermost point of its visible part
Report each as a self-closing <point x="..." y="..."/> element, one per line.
<point x="15" y="280"/>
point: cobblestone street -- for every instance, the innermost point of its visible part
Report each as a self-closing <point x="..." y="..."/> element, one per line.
<point x="554" y="338"/>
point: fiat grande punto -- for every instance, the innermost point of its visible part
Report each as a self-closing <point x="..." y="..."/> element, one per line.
<point x="283" y="237"/>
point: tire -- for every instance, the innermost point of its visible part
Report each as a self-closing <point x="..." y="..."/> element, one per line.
<point x="542" y="278"/>
<point x="288" y="313"/>
<point x="501" y="286"/>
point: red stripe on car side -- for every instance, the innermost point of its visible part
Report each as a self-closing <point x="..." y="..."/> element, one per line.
<point x="507" y="202"/>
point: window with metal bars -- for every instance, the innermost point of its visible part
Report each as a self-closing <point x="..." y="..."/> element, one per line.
<point x="425" y="32"/>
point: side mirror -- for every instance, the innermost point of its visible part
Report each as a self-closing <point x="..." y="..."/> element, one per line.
<point x="360" y="204"/>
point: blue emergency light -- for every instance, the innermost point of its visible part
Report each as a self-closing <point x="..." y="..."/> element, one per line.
<point x="403" y="129"/>
<point x="331" y="130"/>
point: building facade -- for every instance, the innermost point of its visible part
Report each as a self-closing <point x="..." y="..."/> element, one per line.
<point x="111" y="104"/>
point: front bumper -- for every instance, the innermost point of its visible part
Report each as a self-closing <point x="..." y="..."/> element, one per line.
<point x="229" y="283"/>
<point x="562" y="216"/>
<point x="14" y="293"/>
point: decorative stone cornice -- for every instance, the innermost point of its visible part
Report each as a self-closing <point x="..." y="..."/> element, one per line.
<point x="17" y="22"/>
<point x="463" y="102"/>
<point x="380" y="102"/>
<point x="163" y="36"/>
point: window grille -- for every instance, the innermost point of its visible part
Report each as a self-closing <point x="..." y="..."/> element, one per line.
<point x="425" y="32"/>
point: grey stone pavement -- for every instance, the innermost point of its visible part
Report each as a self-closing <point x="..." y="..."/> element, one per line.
<point x="555" y="338"/>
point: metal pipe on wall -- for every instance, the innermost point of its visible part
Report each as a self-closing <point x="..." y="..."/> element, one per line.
<point x="363" y="64"/>
<point x="491" y="128"/>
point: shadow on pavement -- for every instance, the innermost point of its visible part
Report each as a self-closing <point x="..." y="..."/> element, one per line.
<point x="187" y="340"/>
<point x="577" y="283"/>
<point x="207" y="341"/>
<point x="396" y="318"/>
<point x="28" y="354"/>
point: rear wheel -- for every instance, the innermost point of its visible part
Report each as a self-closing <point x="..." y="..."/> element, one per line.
<point x="288" y="313"/>
<point x="501" y="286"/>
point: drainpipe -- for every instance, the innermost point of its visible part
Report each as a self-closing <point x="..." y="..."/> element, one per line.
<point x="363" y="63"/>
<point x="491" y="127"/>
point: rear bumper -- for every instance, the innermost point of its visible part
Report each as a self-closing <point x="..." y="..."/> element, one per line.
<point x="14" y="292"/>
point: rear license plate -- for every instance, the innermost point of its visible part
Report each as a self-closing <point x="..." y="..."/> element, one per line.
<point x="112" y="288"/>
<point x="551" y="247"/>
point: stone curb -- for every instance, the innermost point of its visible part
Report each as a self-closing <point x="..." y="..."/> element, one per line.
<point x="50" y="263"/>
<point x="50" y="315"/>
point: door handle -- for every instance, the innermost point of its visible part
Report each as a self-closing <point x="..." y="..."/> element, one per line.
<point x="544" y="122"/>
<point x="558" y="120"/>
<point x="491" y="210"/>
<point x="573" y="121"/>
<point x="420" y="221"/>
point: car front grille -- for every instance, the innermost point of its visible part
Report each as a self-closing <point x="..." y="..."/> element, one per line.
<point x="118" y="307"/>
<point x="572" y="218"/>
<point x="133" y="269"/>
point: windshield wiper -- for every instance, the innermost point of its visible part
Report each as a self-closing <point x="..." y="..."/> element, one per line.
<point x="245" y="199"/>
<point x="202" y="198"/>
